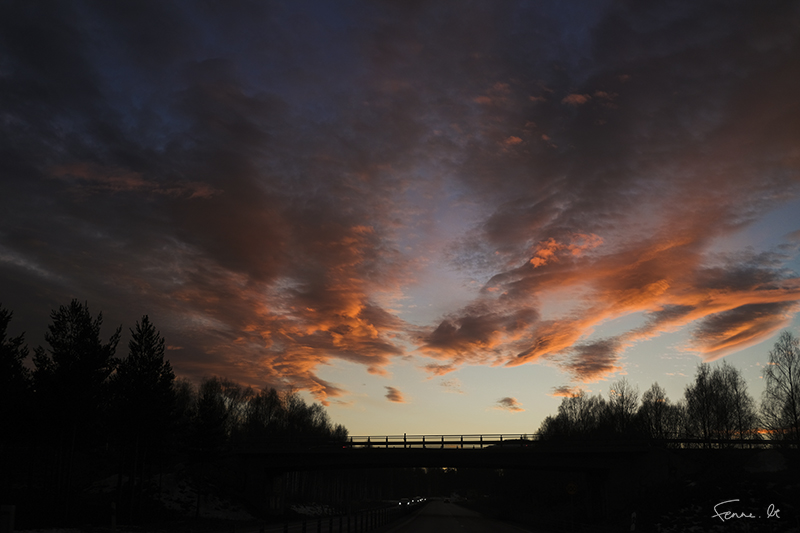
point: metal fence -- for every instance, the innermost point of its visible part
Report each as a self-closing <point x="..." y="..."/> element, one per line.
<point x="358" y="522"/>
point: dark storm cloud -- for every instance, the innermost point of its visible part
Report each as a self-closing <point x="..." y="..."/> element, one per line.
<point x="148" y="169"/>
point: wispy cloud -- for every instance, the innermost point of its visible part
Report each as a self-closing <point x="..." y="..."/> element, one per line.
<point x="509" y="404"/>
<point x="565" y="391"/>
<point x="576" y="99"/>
<point x="87" y="177"/>
<point x="452" y="385"/>
<point x="394" y="395"/>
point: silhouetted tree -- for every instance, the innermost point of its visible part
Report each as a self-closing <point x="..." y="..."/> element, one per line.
<point x="623" y="401"/>
<point x="15" y="399"/>
<point x="675" y="419"/>
<point x="15" y="380"/>
<point x="212" y="420"/>
<point x="236" y="399"/>
<point x="144" y="400"/>
<point x="700" y="404"/>
<point x="718" y="405"/>
<point x="185" y="412"/>
<point x="736" y="408"/>
<point x="579" y="416"/>
<point x="551" y="428"/>
<point x="654" y="413"/>
<point x="71" y="383"/>
<point x="74" y="371"/>
<point x="339" y="433"/>
<point x="780" y="404"/>
<point x="252" y="421"/>
<point x="266" y="418"/>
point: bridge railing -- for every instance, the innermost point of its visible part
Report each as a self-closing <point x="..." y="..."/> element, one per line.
<point x="474" y="441"/>
<point x="511" y="441"/>
<point x="516" y="440"/>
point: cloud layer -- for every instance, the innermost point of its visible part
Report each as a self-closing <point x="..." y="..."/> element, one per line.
<point x="271" y="182"/>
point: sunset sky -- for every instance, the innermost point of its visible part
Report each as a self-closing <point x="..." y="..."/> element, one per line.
<point x="433" y="217"/>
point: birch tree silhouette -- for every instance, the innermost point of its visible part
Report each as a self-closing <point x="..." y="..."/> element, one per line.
<point x="780" y="406"/>
<point x="623" y="403"/>
<point x="718" y="405"/>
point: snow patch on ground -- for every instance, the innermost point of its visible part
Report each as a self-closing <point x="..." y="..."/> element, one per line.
<point x="313" y="509"/>
<point x="178" y="495"/>
<point x="50" y="531"/>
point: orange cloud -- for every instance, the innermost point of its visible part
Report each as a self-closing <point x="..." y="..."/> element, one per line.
<point x="319" y="206"/>
<point x="546" y="251"/>
<point x="665" y="277"/>
<point x="96" y="178"/>
<point x="605" y="95"/>
<point x="279" y="331"/>
<point x="576" y="99"/>
<point x="496" y="95"/>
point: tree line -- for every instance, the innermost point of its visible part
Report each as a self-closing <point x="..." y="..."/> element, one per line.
<point x="82" y="414"/>
<point x="715" y="406"/>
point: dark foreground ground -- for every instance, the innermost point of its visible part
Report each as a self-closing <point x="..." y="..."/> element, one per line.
<point x="440" y="517"/>
<point x="716" y="491"/>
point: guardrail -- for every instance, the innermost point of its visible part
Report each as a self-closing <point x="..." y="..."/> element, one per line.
<point x="356" y="522"/>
